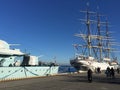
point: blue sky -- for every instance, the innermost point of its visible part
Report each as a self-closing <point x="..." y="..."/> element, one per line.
<point x="47" y="27"/>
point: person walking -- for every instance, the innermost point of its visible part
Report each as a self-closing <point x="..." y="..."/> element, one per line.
<point x="112" y="72"/>
<point x="89" y="73"/>
<point x="98" y="70"/>
<point x="118" y="70"/>
<point x="108" y="72"/>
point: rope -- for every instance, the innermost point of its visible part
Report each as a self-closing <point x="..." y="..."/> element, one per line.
<point x="11" y="73"/>
<point x="30" y="72"/>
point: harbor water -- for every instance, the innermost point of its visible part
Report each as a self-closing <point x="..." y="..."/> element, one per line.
<point x="66" y="69"/>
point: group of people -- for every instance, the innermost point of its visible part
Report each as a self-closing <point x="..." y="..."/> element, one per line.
<point x="110" y="72"/>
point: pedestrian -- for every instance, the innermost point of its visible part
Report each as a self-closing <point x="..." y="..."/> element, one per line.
<point x="89" y="73"/>
<point x="118" y="70"/>
<point x="107" y="72"/>
<point x="98" y="70"/>
<point x="112" y="72"/>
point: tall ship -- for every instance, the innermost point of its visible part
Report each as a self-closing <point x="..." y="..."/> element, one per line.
<point x="95" y="48"/>
<point x="15" y="64"/>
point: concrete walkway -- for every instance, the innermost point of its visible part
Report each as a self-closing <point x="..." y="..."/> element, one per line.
<point x="64" y="82"/>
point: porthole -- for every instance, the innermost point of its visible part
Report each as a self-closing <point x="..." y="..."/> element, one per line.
<point x="1" y="71"/>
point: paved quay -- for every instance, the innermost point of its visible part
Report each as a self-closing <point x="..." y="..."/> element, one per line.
<point x="64" y="82"/>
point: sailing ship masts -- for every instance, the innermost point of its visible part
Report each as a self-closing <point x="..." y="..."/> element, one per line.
<point x="88" y="36"/>
<point x="88" y="29"/>
<point x="98" y="24"/>
<point x="99" y="34"/>
<point x="108" y="42"/>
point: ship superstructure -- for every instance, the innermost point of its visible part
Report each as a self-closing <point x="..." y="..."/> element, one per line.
<point x="15" y="64"/>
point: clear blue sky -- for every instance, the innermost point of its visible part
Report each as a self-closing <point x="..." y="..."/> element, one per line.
<point x="47" y="27"/>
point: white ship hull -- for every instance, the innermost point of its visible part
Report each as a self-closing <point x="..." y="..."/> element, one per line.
<point x="84" y="65"/>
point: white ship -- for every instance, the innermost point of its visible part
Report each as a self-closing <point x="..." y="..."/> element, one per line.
<point x="95" y="47"/>
<point x="15" y="64"/>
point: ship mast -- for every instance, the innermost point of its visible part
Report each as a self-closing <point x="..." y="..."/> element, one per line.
<point x="87" y="37"/>
<point x="99" y="36"/>
<point x="88" y="29"/>
<point x="107" y="42"/>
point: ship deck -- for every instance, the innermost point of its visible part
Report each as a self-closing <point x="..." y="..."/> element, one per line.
<point x="64" y="82"/>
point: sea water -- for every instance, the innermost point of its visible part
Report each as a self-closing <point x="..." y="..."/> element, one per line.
<point x="66" y="69"/>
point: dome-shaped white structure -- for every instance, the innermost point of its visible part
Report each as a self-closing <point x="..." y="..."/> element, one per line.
<point x="4" y="45"/>
<point x="5" y="49"/>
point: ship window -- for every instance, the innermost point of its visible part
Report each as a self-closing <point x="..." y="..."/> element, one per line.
<point x="1" y="71"/>
<point x="21" y="70"/>
<point x="10" y="58"/>
<point x="36" y="70"/>
<point x="9" y="71"/>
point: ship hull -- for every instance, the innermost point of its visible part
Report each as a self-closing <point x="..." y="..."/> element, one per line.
<point x="13" y="73"/>
<point x="78" y="66"/>
<point x="84" y="65"/>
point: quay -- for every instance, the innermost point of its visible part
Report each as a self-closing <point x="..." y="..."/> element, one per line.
<point x="64" y="82"/>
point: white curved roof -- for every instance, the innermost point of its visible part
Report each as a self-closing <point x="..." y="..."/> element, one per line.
<point x="5" y="49"/>
<point x="4" y="45"/>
